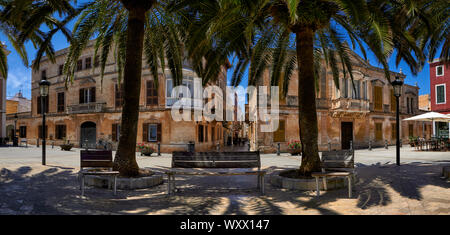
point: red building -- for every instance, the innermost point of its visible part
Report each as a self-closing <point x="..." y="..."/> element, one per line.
<point x="440" y="94"/>
<point x="439" y="86"/>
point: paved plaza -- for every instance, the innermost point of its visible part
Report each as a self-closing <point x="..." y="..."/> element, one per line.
<point x="416" y="187"/>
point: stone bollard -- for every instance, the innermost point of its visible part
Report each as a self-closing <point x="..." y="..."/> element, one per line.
<point x="385" y="144"/>
<point x="53" y="144"/>
<point x="278" y="149"/>
<point x="159" y="148"/>
<point x="37" y="143"/>
<point x="217" y="147"/>
<point x="370" y="145"/>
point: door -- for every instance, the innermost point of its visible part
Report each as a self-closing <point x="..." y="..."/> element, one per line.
<point x="346" y="134"/>
<point x="88" y="135"/>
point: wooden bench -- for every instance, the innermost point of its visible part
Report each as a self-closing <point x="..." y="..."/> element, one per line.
<point x="97" y="160"/>
<point x="338" y="163"/>
<point x="215" y="160"/>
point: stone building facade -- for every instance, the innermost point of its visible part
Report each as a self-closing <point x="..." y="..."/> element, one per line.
<point x="361" y="115"/>
<point x="88" y="112"/>
<point x="3" y="133"/>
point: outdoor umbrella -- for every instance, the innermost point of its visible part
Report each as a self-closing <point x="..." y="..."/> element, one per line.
<point x="430" y="116"/>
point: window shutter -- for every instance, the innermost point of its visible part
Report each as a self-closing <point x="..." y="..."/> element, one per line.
<point x="64" y="131"/>
<point x="145" y="132"/>
<point x="393" y="101"/>
<point x="81" y="96"/>
<point x="378" y="96"/>
<point x="114" y="132"/>
<point x="158" y="132"/>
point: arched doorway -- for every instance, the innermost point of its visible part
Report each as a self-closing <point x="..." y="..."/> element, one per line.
<point x="88" y="137"/>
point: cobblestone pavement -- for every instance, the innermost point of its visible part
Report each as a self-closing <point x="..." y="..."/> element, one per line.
<point x="416" y="187"/>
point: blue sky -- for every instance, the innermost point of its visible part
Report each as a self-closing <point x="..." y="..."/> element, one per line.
<point x="19" y="75"/>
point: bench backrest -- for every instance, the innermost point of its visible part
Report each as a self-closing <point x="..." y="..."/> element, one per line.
<point x="96" y="158"/>
<point x="216" y="160"/>
<point x="338" y="159"/>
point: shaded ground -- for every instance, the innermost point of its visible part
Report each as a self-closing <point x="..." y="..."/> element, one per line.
<point x="414" y="188"/>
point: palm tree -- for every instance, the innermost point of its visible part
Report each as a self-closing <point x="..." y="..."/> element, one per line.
<point x="20" y="22"/>
<point x="284" y="33"/>
<point x="132" y="28"/>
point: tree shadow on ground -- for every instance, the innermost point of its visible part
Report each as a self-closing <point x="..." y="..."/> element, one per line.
<point x="55" y="190"/>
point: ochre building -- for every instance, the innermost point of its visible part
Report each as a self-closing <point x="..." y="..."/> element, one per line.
<point x="88" y="112"/>
<point x="357" y="116"/>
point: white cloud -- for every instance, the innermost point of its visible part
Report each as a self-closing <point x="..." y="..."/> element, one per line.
<point x="18" y="79"/>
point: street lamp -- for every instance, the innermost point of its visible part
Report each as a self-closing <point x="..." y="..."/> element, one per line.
<point x="43" y="91"/>
<point x="397" y="84"/>
<point x="15" y="142"/>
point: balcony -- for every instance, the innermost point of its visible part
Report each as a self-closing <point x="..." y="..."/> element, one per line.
<point x="86" y="108"/>
<point x="349" y="104"/>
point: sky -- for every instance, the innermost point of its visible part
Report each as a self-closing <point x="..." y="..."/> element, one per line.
<point x="19" y="75"/>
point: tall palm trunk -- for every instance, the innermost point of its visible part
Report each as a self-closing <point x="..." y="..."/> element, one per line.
<point x="125" y="159"/>
<point x="307" y="102"/>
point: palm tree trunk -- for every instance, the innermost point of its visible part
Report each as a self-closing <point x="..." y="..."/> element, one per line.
<point x="125" y="159"/>
<point x="307" y="102"/>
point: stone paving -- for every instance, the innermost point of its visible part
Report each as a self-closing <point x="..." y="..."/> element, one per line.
<point x="416" y="187"/>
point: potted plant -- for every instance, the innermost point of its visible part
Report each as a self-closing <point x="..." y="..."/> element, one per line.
<point x="412" y="141"/>
<point x="145" y="150"/>
<point x="66" y="146"/>
<point x="295" y="147"/>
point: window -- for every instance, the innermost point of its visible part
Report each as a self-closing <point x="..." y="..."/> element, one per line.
<point x="439" y="71"/>
<point x="115" y="132"/>
<point x="39" y="104"/>
<point x="345" y="88"/>
<point x="40" y="131"/>
<point x="87" y="63"/>
<point x="60" y="69"/>
<point x="79" y="65"/>
<point x="96" y="61"/>
<point x="118" y="96"/>
<point x="393" y="101"/>
<point x="411" y="107"/>
<point x="440" y="94"/>
<point x="44" y="74"/>
<point x="23" y="132"/>
<point x="378" y="98"/>
<point x="200" y="133"/>
<point x="358" y="89"/>
<point x="206" y="133"/>
<point x="60" y="132"/>
<point x="364" y="90"/>
<point x="151" y="132"/>
<point x="279" y="134"/>
<point x="87" y="95"/>
<point x="410" y="130"/>
<point x="378" y="131"/>
<point x="152" y="93"/>
<point x="60" y="104"/>
<point x="393" y="131"/>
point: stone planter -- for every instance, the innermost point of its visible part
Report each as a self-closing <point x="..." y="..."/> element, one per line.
<point x="295" y="152"/>
<point x="125" y="183"/>
<point x="305" y="184"/>
<point x="146" y="154"/>
<point x="66" y="147"/>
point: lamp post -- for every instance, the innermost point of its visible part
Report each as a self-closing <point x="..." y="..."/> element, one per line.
<point x="43" y="91"/>
<point x="397" y="84"/>
<point x="15" y="142"/>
